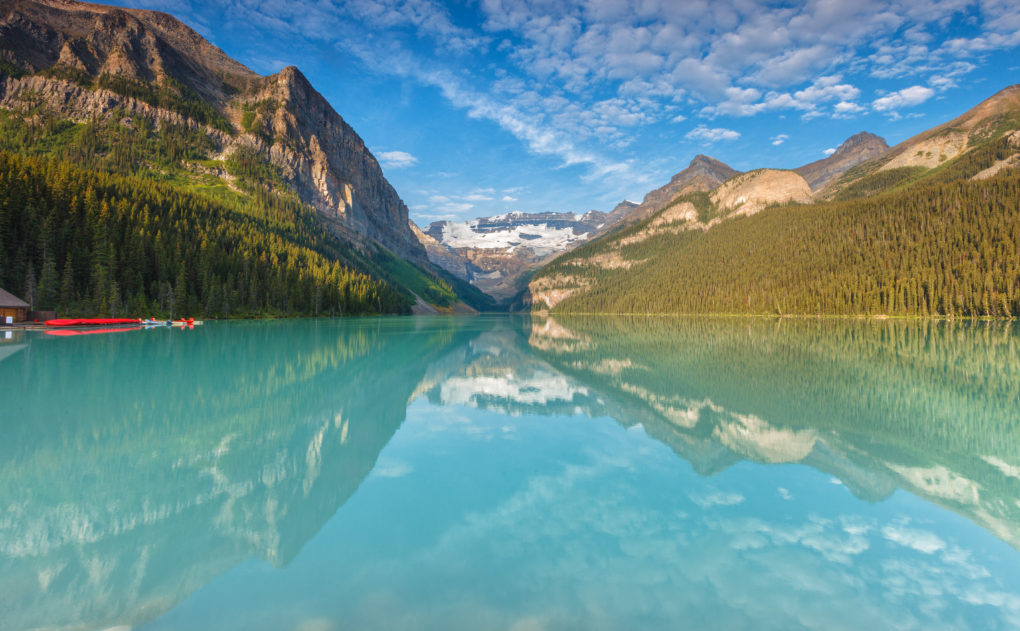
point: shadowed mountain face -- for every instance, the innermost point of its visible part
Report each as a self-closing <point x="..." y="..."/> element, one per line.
<point x="137" y="467"/>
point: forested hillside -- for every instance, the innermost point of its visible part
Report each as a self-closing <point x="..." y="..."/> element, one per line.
<point x="86" y="242"/>
<point x="943" y="246"/>
<point x="175" y="137"/>
<point x="266" y="250"/>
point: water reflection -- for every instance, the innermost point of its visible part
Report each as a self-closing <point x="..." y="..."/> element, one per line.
<point x="930" y="407"/>
<point x="134" y="469"/>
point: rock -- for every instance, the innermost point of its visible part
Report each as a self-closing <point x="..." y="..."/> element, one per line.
<point x="320" y="157"/>
<point x="703" y="174"/>
<point x="856" y="149"/>
<point x="751" y="192"/>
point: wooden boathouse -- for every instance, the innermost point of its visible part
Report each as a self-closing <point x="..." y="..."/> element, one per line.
<point x="12" y="307"/>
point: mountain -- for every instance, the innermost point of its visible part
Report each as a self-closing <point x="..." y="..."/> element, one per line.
<point x="701" y="175"/>
<point x="137" y="93"/>
<point x="621" y="210"/>
<point x="494" y="253"/>
<point x="855" y="150"/>
<point x="949" y="140"/>
<point x="928" y="228"/>
<point x="751" y="192"/>
<point x="934" y="149"/>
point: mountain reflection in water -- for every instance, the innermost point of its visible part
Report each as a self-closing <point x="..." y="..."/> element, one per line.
<point x="136" y="469"/>
<point x="929" y="407"/>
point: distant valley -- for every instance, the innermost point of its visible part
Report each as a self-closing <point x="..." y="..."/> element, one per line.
<point x="496" y="253"/>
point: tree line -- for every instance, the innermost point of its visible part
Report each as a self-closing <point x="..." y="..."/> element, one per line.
<point x="941" y="247"/>
<point x="91" y="243"/>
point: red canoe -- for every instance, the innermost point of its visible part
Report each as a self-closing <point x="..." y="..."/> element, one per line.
<point x="90" y="321"/>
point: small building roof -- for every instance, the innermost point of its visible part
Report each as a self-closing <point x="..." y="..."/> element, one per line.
<point x="9" y="300"/>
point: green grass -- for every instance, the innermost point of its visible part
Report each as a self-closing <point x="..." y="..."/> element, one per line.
<point x="399" y="272"/>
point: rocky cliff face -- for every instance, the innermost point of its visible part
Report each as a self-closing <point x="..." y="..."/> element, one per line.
<point x="855" y="150"/>
<point x="326" y="162"/>
<point x="84" y="61"/>
<point x="94" y="39"/>
<point x="753" y="191"/>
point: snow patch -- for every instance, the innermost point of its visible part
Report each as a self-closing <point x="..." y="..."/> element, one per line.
<point x="542" y="238"/>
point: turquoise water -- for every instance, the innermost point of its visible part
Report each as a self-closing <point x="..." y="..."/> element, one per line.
<point x="500" y="473"/>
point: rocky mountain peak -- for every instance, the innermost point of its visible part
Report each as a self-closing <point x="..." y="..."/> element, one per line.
<point x="703" y="174"/>
<point x="702" y="165"/>
<point x="859" y="144"/>
<point x="857" y="149"/>
<point x="97" y="40"/>
<point x="107" y="62"/>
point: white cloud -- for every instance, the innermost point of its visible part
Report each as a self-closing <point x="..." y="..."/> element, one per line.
<point x="779" y="139"/>
<point x="920" y="540"/>
<point x="583" y="81"/>
<point x="749" y="101"/>
<point x="456" y="208"/>
<point x="397" y="159"/>
<point x="718" y="498"/>
<point x="829" y="151"/>
<point x="507" y="198"/>
<point x="392" y="470"/>
<point x="709" y="135"/>
<point x="846" y="108"/>
<point x="907" y="97"/>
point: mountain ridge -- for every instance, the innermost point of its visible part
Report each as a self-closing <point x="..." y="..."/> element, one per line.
<point x="89" y="61"/>
<point x="926" y="239"/>
<point x="703" y="174"/>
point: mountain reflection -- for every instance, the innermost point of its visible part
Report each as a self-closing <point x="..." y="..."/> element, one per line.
<point x="136" y="468"/>
<point x="929" y="407"/>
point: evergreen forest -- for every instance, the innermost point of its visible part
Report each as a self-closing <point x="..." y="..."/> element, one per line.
<point x="81" y="241"/>
<point x="124" y="217"/>
<point x="940" y="245"/>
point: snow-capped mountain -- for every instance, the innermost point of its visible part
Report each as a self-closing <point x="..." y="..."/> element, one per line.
<point x="494" y="252"/>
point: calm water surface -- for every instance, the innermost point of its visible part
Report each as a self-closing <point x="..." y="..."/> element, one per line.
<point x="498" y="473"/>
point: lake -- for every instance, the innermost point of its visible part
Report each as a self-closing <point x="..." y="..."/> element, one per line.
<point x="513" y="473"/>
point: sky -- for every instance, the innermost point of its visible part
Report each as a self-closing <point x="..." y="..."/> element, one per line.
<point x="479" y="107"/>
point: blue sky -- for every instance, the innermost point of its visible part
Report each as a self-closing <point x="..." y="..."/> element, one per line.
<point x="476" y="107"/>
